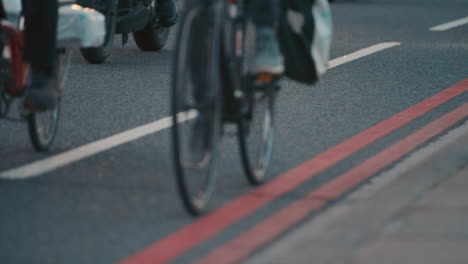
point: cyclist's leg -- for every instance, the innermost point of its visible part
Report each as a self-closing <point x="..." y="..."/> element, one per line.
<point x="40" y="33"/>
<point x="40" y="51"/>
<point x="2" y="14"/>
<point x="2" y="11"/>
<point x="268" y="58"/>
<point x="264" y="12"/>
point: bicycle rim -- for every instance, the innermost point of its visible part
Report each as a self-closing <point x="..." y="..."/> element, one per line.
<point x="256" y="135"/>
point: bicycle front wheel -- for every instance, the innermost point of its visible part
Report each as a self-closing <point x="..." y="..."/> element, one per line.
<point x="196" y="104"/>
<point x="42" y="126"/>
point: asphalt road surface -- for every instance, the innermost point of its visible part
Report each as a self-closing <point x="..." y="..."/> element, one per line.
<point x="119" y="202"/>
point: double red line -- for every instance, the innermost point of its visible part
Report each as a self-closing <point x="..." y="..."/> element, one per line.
<point x="192" y="235"/>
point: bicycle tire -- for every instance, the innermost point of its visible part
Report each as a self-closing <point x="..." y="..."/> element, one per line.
<point x="42" y="136"/>
<point x="198" y="38"/>
<point x="256" y="134"/>
<point x="154" y="36"/>
<point x="97" y="55"/>
<point x="42" y="126"/>
<point x="254" y="104"/>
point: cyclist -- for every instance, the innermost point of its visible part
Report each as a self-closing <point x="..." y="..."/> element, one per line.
<point x="268" y="60"/>
<point x="40" y="33"/>
<point x="268" y="57"/>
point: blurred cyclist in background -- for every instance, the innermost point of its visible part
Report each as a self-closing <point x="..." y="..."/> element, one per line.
<point x="268" y="58"/>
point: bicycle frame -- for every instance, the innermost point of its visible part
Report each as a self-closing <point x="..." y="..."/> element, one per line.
<point x="224" y="93"/>
<point x="14" y="44"/>
<point x="232" y="47"/>
<point x="12" y="67"/>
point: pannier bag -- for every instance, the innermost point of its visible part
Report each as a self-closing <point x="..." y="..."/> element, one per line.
<point x="305" y="33"/>
<point x="84" y="25"/>
<point x="76" y="24"/>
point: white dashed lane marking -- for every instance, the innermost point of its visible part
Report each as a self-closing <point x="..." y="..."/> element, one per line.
<point x="450" y="25"/>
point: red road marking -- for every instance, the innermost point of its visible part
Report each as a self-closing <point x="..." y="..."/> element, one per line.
<point x="242" y="246"/>
<point x="188" y="237"/>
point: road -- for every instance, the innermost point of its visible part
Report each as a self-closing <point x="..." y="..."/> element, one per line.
<point x="109" y="205"/>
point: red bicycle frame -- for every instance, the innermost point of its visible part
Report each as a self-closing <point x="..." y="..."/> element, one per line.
<point x="18" y="69"/>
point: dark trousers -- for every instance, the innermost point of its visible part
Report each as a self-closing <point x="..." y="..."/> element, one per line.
<point x="40" y="33"/>
<point x="264" y="13"/>
<point x="2" y="11"/>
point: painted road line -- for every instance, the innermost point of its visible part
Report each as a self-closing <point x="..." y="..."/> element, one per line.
<point x="450" y="25"/>
<point x="241" y="247"/>
<point x="176" y="244"/>
<point x="361" y="53"/>
<point x="43" y="166"/>
<point x="40" y="167"/>
<point x="329" y="217"/>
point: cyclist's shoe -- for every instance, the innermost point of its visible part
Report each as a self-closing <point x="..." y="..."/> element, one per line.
<point x="268" y="58"/>
<point x="42" y="92"/>
<point x="168" y="12"/>
<point x="199" y="153"/>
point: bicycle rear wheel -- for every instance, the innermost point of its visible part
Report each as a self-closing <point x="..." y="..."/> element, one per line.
<point x="255" y="105"/>
<point x="256" y="132"/>
<point x="196" y="104"/>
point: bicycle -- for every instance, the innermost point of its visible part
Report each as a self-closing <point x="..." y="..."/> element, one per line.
<point x="211" y="87"/>
<point x="42" y="126"/>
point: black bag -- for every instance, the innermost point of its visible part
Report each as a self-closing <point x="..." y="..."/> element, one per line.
<point x="304" y="35"/>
